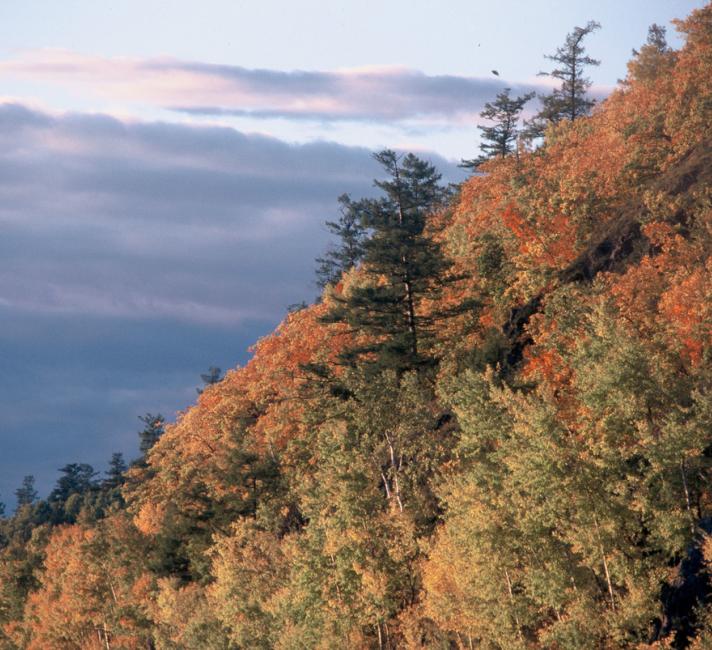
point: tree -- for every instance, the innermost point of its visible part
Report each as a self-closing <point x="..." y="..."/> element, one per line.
<point x="654" y="58"/>
<point x="349" y="250"/>
<point x="569" y="101"/>
<point x="92" y="580"/>
<point x="499" y="139"/>
<point x="250" y="570"/>
<point x="403" y="267"/>
<point x="153" y="430"/>
<point x="656" y="39"/>
<point x="26" y="493"/>
<point x="213" y="376"/>
<point x="117" y="468"/>
<point x="77" y="478"/>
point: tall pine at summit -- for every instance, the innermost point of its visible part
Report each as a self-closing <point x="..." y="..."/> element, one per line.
<point x="402" y="267"/>
<point x="570" y="101"/>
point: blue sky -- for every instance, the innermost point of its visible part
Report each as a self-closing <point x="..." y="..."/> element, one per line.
<point x="166" y="168"/>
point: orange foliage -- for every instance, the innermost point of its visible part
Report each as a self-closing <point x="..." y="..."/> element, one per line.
<point x="87" y="595"/>
<point x="688" y="307"/>
<point x="547" y="244"/>
<point x="668" y="291"/>
<point x="258" y="408"/>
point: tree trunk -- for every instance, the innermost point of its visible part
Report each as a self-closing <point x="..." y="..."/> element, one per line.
<point x="106" y="637"/>
<point x="605" y="564"/>
<point x="395" y="467"/>
<point x="511" y="600"/>
<point x="409" y="298"/>
<point x="687" y="495"/>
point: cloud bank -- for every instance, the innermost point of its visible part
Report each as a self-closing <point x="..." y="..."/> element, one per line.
<point x="375" y="94"/>
<point x="129" y="220"/>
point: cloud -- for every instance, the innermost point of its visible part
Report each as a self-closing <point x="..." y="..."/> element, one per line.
<point x="153" y="220"/>
<point x="375" y="94"/>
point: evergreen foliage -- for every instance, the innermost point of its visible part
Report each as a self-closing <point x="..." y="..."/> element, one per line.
<point x="569" y="101"/>
<point x="348" y="251"/>
<point x="149" y="435"/>
<point x="213" y="376"/>
<point x="500" y="137"/>
<point x="404" y="267"/>
<point x="26" y="493"/>
<point x="116" y="471"/>
<point x="76" y="478"/>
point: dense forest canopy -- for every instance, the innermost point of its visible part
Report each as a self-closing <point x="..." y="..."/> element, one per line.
<point x="492" y="430"/>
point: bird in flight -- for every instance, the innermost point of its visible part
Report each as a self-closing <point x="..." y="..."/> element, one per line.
<point x="494" y="72"/>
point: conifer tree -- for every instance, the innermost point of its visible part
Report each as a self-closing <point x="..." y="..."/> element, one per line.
<point x="77" y="478"/>
<point x="569" y="102"/>
<point x="26" y="493"/>
<point x="499" y="139"/>
<point x="403" y="266"/>
<point x="653" y="58"/>
<point x="348" y="251"/>
<point x="150" y="434"/>
<point x="213" y="376"/>
<point x="117" y="468"/>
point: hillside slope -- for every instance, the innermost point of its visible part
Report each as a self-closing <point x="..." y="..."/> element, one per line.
<point x="544" y="484"/>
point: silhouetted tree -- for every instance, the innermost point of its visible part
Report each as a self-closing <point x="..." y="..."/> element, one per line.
<point x="26" y="493"/>
<point x="149" y="435"/>
<point x="570" y="101"/>
<point x="115" y="473"/>
<point x="348" y="250"/>
<point x="213" y="376"/>
<point x="500" y="137"/>
<point x="77" y="478"/>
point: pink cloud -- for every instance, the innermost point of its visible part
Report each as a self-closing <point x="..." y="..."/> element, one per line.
<point x="374" y="93"/>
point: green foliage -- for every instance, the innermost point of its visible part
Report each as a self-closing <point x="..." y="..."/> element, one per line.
<point x="569" y="101"/>
<point x="76" y="479"/>
<point x="349" y="250"/>
<point x="117" y="469"/>
<point x="149" y="435"/>
<point x="404" y="268"/>
<point x="500" y="137"/>
<point x="213" y="376"/>
<point x="26" y="493"/>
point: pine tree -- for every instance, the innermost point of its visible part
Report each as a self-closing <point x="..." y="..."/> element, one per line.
<point x="153" y="430"/>
<point x="569" y="102"/>
<point x="654" y="58"/>
<point x="213" y="376"/>
<point x="117" y="468"/>
<point x="499" y="139"/>
<point x="403" y="267"/>
<point x="77" y="478"/>
<point x="348" y="251"/>
<point x="26" y="493"/>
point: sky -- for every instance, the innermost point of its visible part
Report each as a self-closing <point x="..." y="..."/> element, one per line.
<point x="166" y="168"/>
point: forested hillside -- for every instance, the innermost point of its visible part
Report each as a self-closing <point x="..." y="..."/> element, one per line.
<point x="494" y="430"/>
